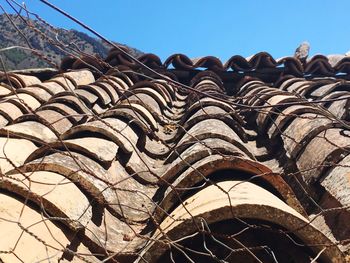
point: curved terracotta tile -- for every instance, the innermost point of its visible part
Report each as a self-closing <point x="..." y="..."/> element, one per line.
<point x="215" y="204"/>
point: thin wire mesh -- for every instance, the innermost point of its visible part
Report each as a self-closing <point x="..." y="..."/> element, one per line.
<point x="132" y="165"/>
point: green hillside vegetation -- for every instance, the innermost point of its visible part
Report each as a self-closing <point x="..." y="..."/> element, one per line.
<point x="18" y="58"/>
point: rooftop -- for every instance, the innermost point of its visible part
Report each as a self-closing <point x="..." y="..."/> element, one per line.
<point x="187" y="160"/>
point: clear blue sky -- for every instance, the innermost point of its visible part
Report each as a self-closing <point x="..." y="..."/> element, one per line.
<point x="208" y="27"/>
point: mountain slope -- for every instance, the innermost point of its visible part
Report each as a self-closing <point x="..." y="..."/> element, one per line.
<point x="18" y="58"/>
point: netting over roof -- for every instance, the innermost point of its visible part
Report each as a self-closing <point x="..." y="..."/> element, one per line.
<point x="119" y="160"/>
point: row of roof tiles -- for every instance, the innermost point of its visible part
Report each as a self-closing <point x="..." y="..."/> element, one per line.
<point x="311" y="138"/>
<point x="316" y="65"/>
